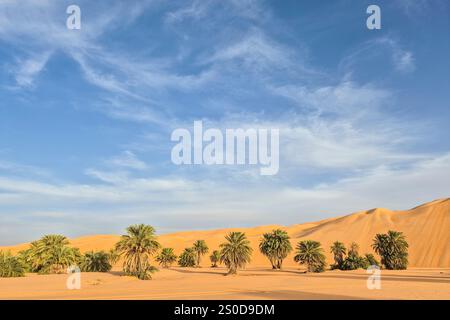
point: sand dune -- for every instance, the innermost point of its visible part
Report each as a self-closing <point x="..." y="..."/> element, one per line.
<point x="426" y="228"/>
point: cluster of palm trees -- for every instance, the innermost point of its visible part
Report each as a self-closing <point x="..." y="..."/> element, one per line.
<point x="10" y="266"/>
<point x="52" y="254"/>
<point x="353" y="260"/>
<point x="234" y="253"/>
<point x="191" y="257"/>
<point x="391" y="247"/>
<point x="393" y="250"/>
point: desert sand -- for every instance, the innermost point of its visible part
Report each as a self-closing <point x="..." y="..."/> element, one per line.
<point x="426" y="228"/>
<point x="252" y="283"/>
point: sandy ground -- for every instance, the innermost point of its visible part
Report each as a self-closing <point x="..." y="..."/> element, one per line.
<point x="252" y="283"/>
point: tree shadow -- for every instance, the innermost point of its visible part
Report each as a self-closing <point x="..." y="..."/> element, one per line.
<point x="117" y="273"/>
<point x="198" y="271"/>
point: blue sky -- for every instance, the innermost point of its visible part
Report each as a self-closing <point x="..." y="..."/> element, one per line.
<point x="86" y="115"/>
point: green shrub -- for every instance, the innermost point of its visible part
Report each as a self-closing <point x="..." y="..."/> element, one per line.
<point x="166" y="257"/>
<point x="371" y="260"/>
<point x="95" y="262"/>
<point x="10" y="266"/>
<point x="187" y="258"/>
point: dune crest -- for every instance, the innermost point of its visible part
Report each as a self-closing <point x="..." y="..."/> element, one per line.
<point x="426" y="228"/>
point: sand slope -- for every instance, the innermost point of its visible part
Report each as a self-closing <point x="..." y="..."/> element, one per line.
<point x="426" y="228"/>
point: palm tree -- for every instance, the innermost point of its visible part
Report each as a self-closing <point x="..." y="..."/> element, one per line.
<point x="51" y="254"/>
<point x="354" y="260"/>
<point x="44" y="250"/>
<point x="10" y="266"/>
<point x="137" y="246"/>
<point x="400" y="248"/>
<point x="24" y="256"/>
<point x="33" y="257"/>
<point x="166" y="257"/>
<point x="113" y="256"/>
<point x="310" y="253"/>
<point x="381" y="246"/>
<point x="354" y="249"/>
<point x="371" y="260"/>
<point x="200" y="248"/>
<point x="338" y="250"/>
<point x="276" y="247"/>
<point x="236" y="252"/>
<point x="393" y="249"/>
<point x="187" y="258"/>
<point x="96" y="262"/>
<point x="62" y="258"/>
<point x="214" y="257"/>
<point x="265" y="247"/>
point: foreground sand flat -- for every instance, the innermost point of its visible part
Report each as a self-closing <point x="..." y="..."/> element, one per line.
<point x="253" y="283"/>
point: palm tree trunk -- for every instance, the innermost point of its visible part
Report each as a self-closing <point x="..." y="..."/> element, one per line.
<point x="279" y="264"/>
<point x="232" y="270"/>
<point x="272" y="262"/>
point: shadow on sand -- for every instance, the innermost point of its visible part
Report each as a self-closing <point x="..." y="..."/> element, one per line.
<point x="198" y="271"/>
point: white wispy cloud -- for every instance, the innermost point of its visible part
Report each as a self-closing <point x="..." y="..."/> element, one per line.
<point x="36" y="25"/>
<point x="26" y="70"/>
<point x="255" y="52"/>
<point x="174" y="199"/>
<point x="418" y="8"/>
<point x="193" y="10"/>
<point x="204" y="9"/>
<point x="345" y="98"/>
<point x="128" y="160"/>
<point x="253" y="49"/>
<point x="402" y="59"/>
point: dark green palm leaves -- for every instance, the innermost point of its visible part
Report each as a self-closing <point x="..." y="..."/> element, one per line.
<point x="200" y="248"/>
<point x="236" y="252"/>
<point x="10" y="266"/>
<point x="393" y="249"/>
<point x="187" y="258"/>
<point x="136" y="247"/>
<point x="276" y="247"/>
<point x="338" y="250"/>
<point x="214" y="258"/>
<point x="96" y="262"/>
<point x="310" y="253"/>
<point x="166" y="257"/>
<point x="50" y="254"/>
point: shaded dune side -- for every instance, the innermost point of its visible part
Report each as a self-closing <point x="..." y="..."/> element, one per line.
<point x="426" y="228"/>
